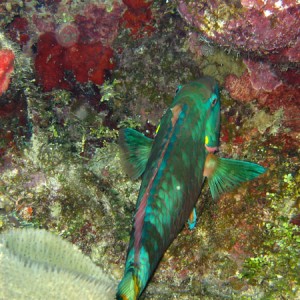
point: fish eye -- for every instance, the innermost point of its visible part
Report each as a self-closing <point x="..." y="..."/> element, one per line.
<point x="214" y="102"/>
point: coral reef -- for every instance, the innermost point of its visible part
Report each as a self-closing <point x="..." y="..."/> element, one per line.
<point x="49" y="63"/>
<point x="37" y="264"/>
<point x="261" y="76"/>
<point x="249" y="26"/>
<point x="87" y="62"/>
<point x="265" y="34"/>
<point x="14" y="114"/>
<point x="83" y="46"/>
<point x="151" y="69"/>
<point x="59" y="119"/>
<point x="282" y="242"/>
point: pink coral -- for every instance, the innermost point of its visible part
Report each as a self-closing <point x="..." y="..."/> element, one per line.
<point x="262" y="27"/>
<point x="18" y="30"/>
<point x="240" y="88"/>
<point x="49" y="63"/>
<point x="96" y="24"/>
<point x="262" y="77"/>
<point x="87" y="62"/>
<point x="6" y="68"/>
<point x="284" y="96"/>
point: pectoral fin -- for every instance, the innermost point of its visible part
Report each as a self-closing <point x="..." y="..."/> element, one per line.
<point x="225" y="174"/>
<point x="135" y="151"/>
<point x="192" y="219"/>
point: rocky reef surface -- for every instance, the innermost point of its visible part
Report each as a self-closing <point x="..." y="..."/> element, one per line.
<point x="84" y="69"/>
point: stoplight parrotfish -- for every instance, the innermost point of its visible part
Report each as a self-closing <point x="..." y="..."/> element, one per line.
<point x="173" y="167"/>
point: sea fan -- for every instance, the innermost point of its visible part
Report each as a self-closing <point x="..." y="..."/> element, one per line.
<point x="36" y="264"/>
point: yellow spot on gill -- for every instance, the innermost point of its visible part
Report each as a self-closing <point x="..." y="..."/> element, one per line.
<point x="206" y="140"/>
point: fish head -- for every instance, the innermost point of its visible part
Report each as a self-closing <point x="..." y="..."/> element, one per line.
<point x="212" y="125"/>
<point x="206" y="99"/>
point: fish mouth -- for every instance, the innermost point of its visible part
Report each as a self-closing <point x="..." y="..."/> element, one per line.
<point x="211" y="149"/>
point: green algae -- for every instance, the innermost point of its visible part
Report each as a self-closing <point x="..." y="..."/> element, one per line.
<point x="219" y="63"/>
<point x="264" y="121"/>
<point x="109" y="90"/>
<point x="276" y="266"/>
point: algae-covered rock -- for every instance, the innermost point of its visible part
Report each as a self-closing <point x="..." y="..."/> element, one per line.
<point x="150" y="69"/>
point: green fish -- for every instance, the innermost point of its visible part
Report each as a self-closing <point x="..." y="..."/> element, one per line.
<point x="173" y="167"/>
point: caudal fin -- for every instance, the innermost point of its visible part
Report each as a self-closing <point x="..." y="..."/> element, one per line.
<point x="128" y="288"/>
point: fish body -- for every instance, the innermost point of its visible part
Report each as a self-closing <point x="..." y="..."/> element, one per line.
<point x="173" y="169"/>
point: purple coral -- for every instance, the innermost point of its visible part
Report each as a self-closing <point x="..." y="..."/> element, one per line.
<point x="97" y="25"/>
<point x="262" y="77"/>
<point x="264" y="28"/>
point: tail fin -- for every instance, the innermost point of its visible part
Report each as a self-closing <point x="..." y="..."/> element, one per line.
<point x="128" y="288"/>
